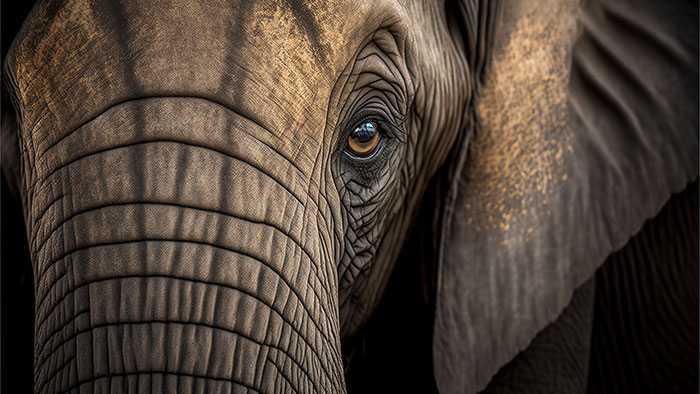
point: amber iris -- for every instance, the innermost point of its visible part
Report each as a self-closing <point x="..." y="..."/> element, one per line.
<point x="364" y="139"/>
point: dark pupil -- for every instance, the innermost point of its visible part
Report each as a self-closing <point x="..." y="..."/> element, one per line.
<point x="364" y="132"/>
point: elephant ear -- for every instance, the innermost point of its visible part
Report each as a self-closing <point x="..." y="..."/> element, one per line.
<point x="587" y="122"/>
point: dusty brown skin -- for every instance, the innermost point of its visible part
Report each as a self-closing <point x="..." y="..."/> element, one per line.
<point x="192" y="216"/>
<point x="202" y="214"/>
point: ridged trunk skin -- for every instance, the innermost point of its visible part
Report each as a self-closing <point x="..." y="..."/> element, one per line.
<point x="174" y="252"/>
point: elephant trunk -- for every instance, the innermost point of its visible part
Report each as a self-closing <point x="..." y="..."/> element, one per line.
<point x="174" y="249"/>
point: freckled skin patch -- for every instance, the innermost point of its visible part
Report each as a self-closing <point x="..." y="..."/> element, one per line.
<point x="517" y="154"/>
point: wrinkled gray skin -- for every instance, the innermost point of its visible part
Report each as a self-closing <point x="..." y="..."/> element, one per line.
<point x="193" y="221"/>
<point x="195" y="224"/>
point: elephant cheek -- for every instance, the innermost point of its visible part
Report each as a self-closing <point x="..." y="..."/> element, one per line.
<point x="167" y="263"/>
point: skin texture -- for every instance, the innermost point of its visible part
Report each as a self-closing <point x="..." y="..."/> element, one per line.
<point x="557" y="359"/>
<point x="659" y="265"/>
<point x="195" y="224"/>
<point x="185" y="190"/>
<point x="538" y="208"/>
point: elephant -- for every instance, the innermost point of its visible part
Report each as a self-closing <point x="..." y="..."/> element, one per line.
<point x="337" y="196"/>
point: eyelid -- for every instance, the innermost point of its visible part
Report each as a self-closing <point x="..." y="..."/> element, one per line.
<point x="369" y="158"/>
<point x="360" y="118"/>
<point x="388" y="126"/>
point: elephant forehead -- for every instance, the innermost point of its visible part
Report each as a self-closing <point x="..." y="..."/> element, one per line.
<point x="275" y="61"/>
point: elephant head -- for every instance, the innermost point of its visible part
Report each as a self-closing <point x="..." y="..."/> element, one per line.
<point x="216" y="193"/>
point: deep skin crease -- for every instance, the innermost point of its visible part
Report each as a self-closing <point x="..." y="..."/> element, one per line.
<point x="257" y="107"/>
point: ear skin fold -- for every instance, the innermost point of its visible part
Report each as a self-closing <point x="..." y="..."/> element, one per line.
<point x="587" y="123"/>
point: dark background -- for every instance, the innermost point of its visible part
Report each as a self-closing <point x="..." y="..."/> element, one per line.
<point x="15" y="270"/>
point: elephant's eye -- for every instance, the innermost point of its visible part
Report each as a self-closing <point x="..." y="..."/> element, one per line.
<point x="364" y="140"/>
